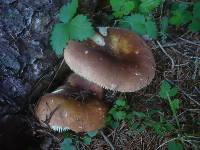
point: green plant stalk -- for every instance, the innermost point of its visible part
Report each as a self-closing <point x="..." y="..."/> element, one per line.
<point x="173" y="111"/>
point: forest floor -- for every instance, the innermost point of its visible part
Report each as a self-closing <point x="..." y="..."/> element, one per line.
<point x="177" y="62"/>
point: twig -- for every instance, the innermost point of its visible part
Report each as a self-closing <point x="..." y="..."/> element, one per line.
<point x="196" y="67"/>
<point x="190" y="42"/>
<point x="172" y="61"/>
<point x="185" y="55"/>
<point x="166" y="143"/>
<point x="107" y="140"/>
<point x="187" y="95"/>
<point x="55" y="74"/>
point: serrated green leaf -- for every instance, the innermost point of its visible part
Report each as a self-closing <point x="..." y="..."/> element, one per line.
<point x="121" y="7"/>
<point x="87" y="140"/>
<point x="92" y="133"/>
<point x="139" y="24"/>
<point x="80" y="28"/>
<point x="119" y="115"/>
<point x="128" y="7"/>
<point x="151" y="29"/>
<point x="108" y="118"/>
<point x="174" y="145"/>
<point x="67" y="144"/>
<point x="68" y="11"/>
<point x="195" y="25"/>
<point x="196" y="10"/>
<point x="175" y="20"/>
<point x="175" y="105"/>
<point x="115" y="124"/>
<point x="164" y="90"/>
<point x="59" y="38"/>
<point x="120" y="102"/>
<point x="179" y="14"/>
<point x="116" y="4"/>
<point x="112" y="111"/>
<point x="167" y="91"/>
<point x="136" y="22"/>
<point x="148" y="5"/>
<point x="173" y="91"/>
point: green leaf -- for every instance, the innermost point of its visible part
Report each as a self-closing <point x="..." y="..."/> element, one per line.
<point x="67" y="144"/>
<point x="121" y="7"/>
<point x="80" y="28"/>
<point x="127" y="7"/>
<point x="166" y="90"/>
<point x="158" y="128"/>
<point x="148" y="5"/>
<point x="151" y="29"/>
<point x="115" y="124"/>
<point x="140" y="115"/>
<point x="87" y="140"/>
<point x="92" y="133"/>
<point x="68" y="11"/>
<point x="120" y="102"/>
<point x="173" y="91"/>
<point x="196" y="10"/>
<point x="136" y="22"/>
<point x="164" y="25"/>
<point x="108" y="119"/>
<point x="139" y="24"/>
<point x="119" y="115"/>
<point x="174" y="145"/>
<point x="116" y="4"/>
<point x="179" y="14"/>
<point x="59" y="38"/>
<point x="195" y="25"/>
<point x="175" y="105"/>
<point x="113" y="111"/>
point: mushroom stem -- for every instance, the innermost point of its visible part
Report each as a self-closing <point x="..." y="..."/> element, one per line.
<point x="98" y="39"/>
<point x="79" y="82"/>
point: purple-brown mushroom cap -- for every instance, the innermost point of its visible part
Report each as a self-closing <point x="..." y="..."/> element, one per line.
<point x="125" y="63"/>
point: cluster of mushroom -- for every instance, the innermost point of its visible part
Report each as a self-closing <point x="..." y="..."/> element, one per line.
<point x="114" y="59"/>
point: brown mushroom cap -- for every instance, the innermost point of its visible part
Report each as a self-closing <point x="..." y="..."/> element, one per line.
<point x="124" y="64"/>
<point x="62" y="112"/>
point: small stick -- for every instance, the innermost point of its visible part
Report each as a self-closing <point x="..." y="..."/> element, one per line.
<point x="107" y="140"/>
<point x="166" y="143"/>
<point x="56" y="74"/>
<point x="172" y="61"/>
<point x="190" y="42"/>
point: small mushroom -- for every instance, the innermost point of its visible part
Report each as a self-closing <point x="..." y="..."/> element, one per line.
<point x="62" y="112"/>
<point x="119" y="60"/>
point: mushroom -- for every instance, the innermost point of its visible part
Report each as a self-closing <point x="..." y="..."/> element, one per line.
<point x="117" y="60"/>
<point x="63" y="112"/>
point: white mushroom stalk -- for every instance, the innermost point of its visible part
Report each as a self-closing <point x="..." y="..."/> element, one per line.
<point x="98" y="39"/>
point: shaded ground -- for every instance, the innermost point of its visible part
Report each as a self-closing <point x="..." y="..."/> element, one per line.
<point x="179" y="67"/>
<point x="27" y="67"/>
